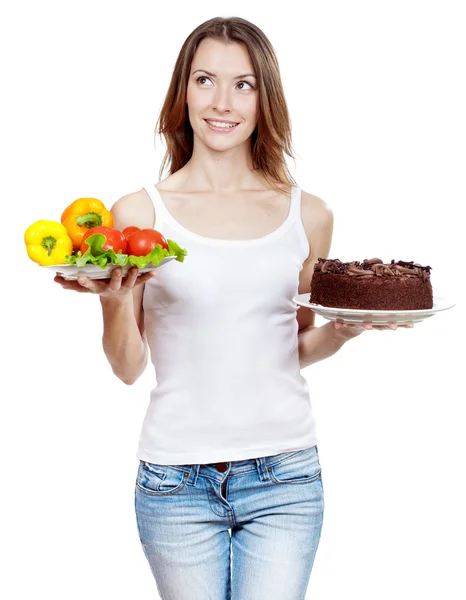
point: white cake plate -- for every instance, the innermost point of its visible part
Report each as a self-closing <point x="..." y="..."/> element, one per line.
<point x="376" y="317"/>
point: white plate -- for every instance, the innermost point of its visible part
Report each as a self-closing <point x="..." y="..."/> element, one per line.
<point x="70" y="272"/>
<point x="379" y="317"/>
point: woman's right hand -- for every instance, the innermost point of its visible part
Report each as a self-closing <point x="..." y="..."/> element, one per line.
<point x="115" y="287"/>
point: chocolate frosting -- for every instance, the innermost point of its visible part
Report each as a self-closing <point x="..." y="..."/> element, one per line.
<point x="373" y="267"/>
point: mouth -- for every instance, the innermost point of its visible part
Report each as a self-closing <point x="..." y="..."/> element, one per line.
<point x="221" y="126"/>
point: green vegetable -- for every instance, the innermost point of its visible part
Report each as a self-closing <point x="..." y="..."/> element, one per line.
<point x="97" y="256"/>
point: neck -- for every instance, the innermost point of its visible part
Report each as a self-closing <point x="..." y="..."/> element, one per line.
<point x="226" y="172"/>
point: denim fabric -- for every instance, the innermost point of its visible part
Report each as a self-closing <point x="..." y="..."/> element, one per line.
<point x="240" y="530"/>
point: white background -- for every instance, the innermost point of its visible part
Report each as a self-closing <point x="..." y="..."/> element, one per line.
<point x="377" y="101"/>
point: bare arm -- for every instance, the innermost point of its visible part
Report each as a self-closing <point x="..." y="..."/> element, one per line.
<point x="317" y="343"/>
<point x="123" y="342"/>
<point x="123" y="339"/>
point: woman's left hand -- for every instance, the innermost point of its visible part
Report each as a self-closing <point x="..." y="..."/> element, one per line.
<point x="350" y="330"/>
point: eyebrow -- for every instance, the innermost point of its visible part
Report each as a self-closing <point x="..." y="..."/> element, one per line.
<point x="238" y="77"/>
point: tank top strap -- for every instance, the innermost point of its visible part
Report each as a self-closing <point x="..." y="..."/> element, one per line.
<point x="295" y="202"/>
<point x="159" y="206"/>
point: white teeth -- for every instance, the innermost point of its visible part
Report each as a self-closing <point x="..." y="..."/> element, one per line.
<point x="218" y="124"/>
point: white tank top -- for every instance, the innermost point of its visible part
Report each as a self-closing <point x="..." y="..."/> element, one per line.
<point x="223" y="336"/>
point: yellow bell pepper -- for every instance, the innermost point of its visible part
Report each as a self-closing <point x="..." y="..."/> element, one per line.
<point x="47" y="242"/>
<point x="83" y="214"/>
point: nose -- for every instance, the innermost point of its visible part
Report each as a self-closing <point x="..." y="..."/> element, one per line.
<point x="221" y="101"/>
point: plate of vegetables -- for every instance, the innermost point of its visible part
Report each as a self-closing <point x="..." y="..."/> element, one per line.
<point x="71" y="272"/>
<point x="87" y="243"/>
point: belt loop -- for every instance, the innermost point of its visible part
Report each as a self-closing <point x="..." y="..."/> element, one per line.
<point x="193" y="474"/>
<point x="262" y="468"/>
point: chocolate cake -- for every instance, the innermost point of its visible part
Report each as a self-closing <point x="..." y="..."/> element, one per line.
<point x="371" y="285"/>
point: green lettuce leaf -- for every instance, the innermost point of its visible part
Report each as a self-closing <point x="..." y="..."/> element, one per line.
<point x="96" y="255"/>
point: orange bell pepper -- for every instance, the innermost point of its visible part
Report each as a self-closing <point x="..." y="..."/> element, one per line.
<point x="83" y="214"/>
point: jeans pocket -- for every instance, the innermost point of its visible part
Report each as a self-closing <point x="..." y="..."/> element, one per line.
<point x="160" y="480"/>
<point x="298" y="467"/>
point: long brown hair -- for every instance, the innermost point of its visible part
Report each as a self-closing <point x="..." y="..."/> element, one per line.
<point x="270" y="140"/>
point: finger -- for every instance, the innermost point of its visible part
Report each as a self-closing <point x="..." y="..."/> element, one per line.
<point x="115" y="280"/>
<point x="136" y="278"/>
<point x="94" y="286"/>
<point x="350" y="326"/>
<point x="60" y="279"/>
<point x="69" y="284"/>
<point x="145" y="277"/>
<point x="84" y="282"/>
<point x="130" y="279"/>
<point x="341" y="324"/>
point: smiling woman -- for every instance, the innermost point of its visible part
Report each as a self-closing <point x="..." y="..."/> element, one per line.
<point x="217" y="92"/>
<point x="228" y="65"/>
<point x="230" y="406"/>
<point x="229" y="440"/>
<point x="197" y="392"/>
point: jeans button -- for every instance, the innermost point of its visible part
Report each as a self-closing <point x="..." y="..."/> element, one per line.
<point x="222" y="467"/>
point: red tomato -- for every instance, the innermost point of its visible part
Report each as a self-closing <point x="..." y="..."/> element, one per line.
<point x="115" y="239"/>
<point x="127" y="231"/>
<point x="144" y="241"/>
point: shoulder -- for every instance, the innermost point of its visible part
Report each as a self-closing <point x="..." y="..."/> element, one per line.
<point x="135" y="208"/>
<point x="315" y="211"/>
<point x="317" y="217"/>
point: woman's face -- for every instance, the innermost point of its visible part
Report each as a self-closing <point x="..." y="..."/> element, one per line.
<point x="222" y="87"/>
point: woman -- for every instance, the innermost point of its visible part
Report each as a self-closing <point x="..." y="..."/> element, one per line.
<point x="228" y="496"/>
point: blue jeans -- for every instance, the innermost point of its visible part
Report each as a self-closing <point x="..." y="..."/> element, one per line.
<point x="273" y="507"/>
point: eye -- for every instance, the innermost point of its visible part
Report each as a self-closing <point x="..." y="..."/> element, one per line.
<point x="198" y="80"/>
<point x="201" y="77"/>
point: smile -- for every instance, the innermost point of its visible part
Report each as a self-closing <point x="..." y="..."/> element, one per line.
<point x="221" y="127"/>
